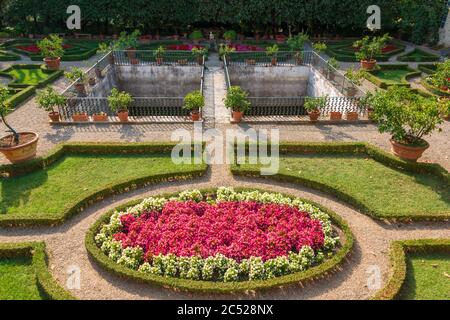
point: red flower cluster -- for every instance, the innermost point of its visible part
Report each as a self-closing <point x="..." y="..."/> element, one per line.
<point x="237" y="230"/>
<point x="35" y="49"/>
<point x="183" y="47"/>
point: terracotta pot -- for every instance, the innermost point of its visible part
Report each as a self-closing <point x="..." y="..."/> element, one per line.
<point x="447" y="117"/>
<point x="176" y="37"/>
<point x="368" y="65"/>
<point x="314" y="115"/>
<point x="80" y="117"/>
<point x="352" y="116"/>
<point x="370" y="114"/>
<point x="21" y="152"/>
<point x="331" y="75"/>
<point x="237" y="116"/>
<point x="131" y="53"/>
<point x="351" y="92"/>
<point x="257" y="37"/>
<point x="409" y="153"/>
<point x="123" y="116"/>
<point x="91" y="82"/>
<point x="111" y="59"/>
<point x="335" y="116"/>
<point x="251" y="62"/>
<point x="134" y="61"/>
<point x="52" y="63"/>
<point x="159" y="61"/>
<point x="274" y="61"/>
<point x="100" y="117"/>
<point x="98" y="73"/>
<point x="299" y="61"/>
<point x="54" y="116"/>
<point x="200" y="61"/>
<point x="182" y="62"/>
<point x="80" y="88"/>
<point x="195" y="115"/>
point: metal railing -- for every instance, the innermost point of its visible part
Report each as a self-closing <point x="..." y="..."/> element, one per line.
<point x="152" y="57"/>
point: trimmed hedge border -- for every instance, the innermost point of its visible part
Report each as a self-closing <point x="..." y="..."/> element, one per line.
<point x="109" y="190"/>
<point x="48" y="287"/>
<point x="53" y="75"/>
<point x="354" y="148"/>
<point x="21" y="95"/>
<point x="426" y="57"/>
<point x="433" y="89"/>
<point x="335" y="50"/>
<point x="427" y="68"/>
<point x="398" y="255"/>
<point x="372" y="75"/>
<point x="6" y="56"/>
<point x="326" y="268"/>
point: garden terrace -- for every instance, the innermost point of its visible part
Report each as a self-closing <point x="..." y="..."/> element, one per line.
<point x="158" y="87"/>
<point x="280" y="89"/>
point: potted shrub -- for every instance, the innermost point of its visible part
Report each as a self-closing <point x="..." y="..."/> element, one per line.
<point x="280" y="38"/>
<point x="52" y="50"/>
<point x="196" y="36"/>
<point x="100" y="117"/>
<point x="78" y="76"/>
<point x="130" y="43"/>
<point x="224" y="51"/>
<point x="91" y="81"/>
<point x="236" y="100"/>
<point x="229" y="36"/>
<point x="48" y="99"/>
<point x="313" y="105"/>
<point x="368" y="48"/>
<point x="318" y="47"/>
<point x="159" y="53"/>
<point x="297" y="42"/>
<point x="445" y="102"/>
<point x="355" y="78"/>
<point x="119" y="101"/>
<point x="199" y="53"/>
<point x="333" y="65"/>
<point x="354" y="115"/>
<point x="272" y="52"/>
<point x="408" y="117"/>
<point x="17" y="146"/>
<point x="194" y="102"/>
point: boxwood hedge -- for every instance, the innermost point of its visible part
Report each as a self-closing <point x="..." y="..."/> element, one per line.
<point x="326" y="268"/>
<point x="372" y="75"/>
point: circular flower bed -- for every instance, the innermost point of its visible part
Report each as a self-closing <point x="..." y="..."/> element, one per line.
<point x="222" y="236"/>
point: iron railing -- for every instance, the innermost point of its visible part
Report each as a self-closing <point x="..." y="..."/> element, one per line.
<point x="152" y="57"/>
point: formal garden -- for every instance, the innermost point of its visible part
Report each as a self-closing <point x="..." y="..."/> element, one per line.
<point x="91" y="182"/>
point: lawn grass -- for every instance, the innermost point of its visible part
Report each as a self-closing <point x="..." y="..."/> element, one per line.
<point x="18" y="279"/>
<point x="57" y="188"/>
<point x="385" y="192"/>
<point x="425" y="276"/>
<point x="29" y="76"/>
<point x="394" y="76"/>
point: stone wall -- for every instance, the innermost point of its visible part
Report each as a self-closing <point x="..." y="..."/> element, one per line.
<point x="319" y="86"/>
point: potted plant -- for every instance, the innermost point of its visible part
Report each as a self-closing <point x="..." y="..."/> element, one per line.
<point x="80" y="116"/>
<point x="354" y="78"/>
<point x="159" y="53"/>
<point x="272" y="52"/>
<point x="318" y="48"/>
<point x="333" y="65"/>
<point x="408" y="117"/>
<point x="445" y="102"/>
<point x="313" y="105"/>
<point x="100" y="117"/>
<point x="196" y="36"/>
<point x="17" y="146"/>
<point x="229" y="36"/>
<point x="119" y="101"/>
<point x="130" y="42"/>
<point x="78" y="76"/>
<point x="194" y="102"/>
<point x="354" y="115"/>
<point x="52" y="50"/>
<point x="368" y="48"/>
<point x="224" y="51"/>
<point x="199" y="53"/>
<point x="48" y="99"/>
<point x="236" y="100"/>
<point x="297" y="42"/>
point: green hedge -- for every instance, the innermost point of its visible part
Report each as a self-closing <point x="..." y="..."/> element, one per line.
<point x="343" y="52"/>
<point x="329" y="266"/>
<point x="352" y="148"/>
<point x="48" y="287"/>
<point x="434" y="90"/>
<point x="372" y="75"/>
<point x="90" y="148"/>
<point x="427" y="68"/>
<point x="6" y="56"/>
<point x="423" y="56"/>
<point x="53" y="75"/>
<point x="398" y="254"/>
<point x="20" y="96"/>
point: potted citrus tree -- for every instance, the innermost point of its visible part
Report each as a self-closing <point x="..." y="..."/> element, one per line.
<point x="130" y="42"/>
<point x="296" y="43"/>
<point x="333" y="65"/>
<point x="159" y="53"/>
<point x="52" y="49"/>
<point x="313" y="105"/>
<point x="196" y="36"/>
<point x="17" y="146"/>
<point x="119" y="101"/>
<point x="368" y="48"/>
<point x="194" y="102"/>
<point x="272" y="51"/>
<point x="237" y="101"/>
<point x="229" y="36"/>
<point x="78" y="76"/>
<point x="445" y="102"/>
<point x="355" y="78"/>
<point x="48" y="99"/>
<point x="199" y="53"/>
<point x="408" y="117"/>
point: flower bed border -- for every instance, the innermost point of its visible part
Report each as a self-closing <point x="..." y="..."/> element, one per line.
<point x="398" y="256"/>
<point x="334" y="51"/>
<point x="372" y="75"/>
<point x="7" y="56"/>
<point x="45" y="282"/>
<point x="109" y="190"/>
<point x="354" y="148"/>
<point x="315" y="273"/>
<point x="426" y="57"/>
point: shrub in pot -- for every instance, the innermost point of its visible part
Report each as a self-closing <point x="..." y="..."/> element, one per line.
<point x="78" y="76"/>
<point x="129" y="42"/>
<point x="368" y="48"/>
<point x="441" y="78"/>
<point x="199" y="54"/>
<point x="196" y="36"/>
<point x="272" y="52"/>
<point x="17" y="146"/>
<point x="297" y="42"/>
<point x="159" y="54"/>
<point x="355" y="78"/>
<point x="445" y="102"/>
<point x="237" y="101"/>
<point x="332" y="65"/>
<point x="408" y="117"/>
<point x="318" y="47"/>
<point x="229" y="36"/>
<point x="52" y="50"/>
<point x="194" y="102"/>
<point x="119" y="101"/>
<point x="224" y="51"/>
<point x="313" y="105"/>
<point x="48" y="99"/>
